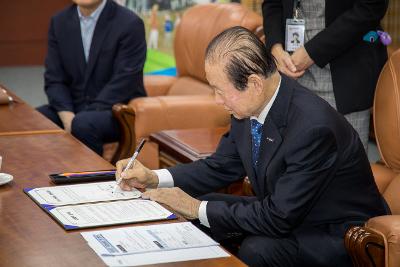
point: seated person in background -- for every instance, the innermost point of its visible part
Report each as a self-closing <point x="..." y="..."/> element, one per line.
<point x="307" y="166"/>
<point x="95" y="59"/>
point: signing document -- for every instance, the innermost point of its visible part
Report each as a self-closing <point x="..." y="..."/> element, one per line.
<point x="153" y="244"/>
<point x="80" y="193"/>
<point x="95" y="204"/>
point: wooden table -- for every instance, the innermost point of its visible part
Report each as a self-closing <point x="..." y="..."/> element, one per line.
<point x="30" y="237"/>
<point x="19" y="118"/>
<point x="187" y="145"/>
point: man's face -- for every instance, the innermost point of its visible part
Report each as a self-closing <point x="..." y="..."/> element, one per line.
<point x="87" y="3"/>
<point x="238" y="103"/>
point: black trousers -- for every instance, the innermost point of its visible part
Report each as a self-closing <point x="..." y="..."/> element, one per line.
<point x="257" y="250"/>
<point x="307" y="246"/>
<point x="93" y="128"/>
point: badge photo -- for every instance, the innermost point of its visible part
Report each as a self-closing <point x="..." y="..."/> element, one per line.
<point x="294" y="34"/>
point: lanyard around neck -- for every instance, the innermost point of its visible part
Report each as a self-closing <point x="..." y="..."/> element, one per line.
<point x="296" y="9"/>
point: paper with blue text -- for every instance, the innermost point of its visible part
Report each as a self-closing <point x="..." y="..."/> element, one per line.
<point x="153" y="244"/>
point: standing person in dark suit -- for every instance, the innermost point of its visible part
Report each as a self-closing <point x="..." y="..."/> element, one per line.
<point x="95" y="59"/>
<point x="335" y="61"/>
<point x="308" y="169"/>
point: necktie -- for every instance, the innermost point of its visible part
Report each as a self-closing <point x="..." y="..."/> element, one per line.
<point x="256" y="131"/>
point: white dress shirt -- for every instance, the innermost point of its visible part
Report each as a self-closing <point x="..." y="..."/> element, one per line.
<point x="166" y="180"/>
<point x="88" y="25"/>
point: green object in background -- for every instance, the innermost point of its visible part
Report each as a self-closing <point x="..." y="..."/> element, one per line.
<point x="157" y="60"/>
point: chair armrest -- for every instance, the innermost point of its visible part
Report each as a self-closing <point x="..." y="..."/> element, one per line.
<point x="177" y="112"/>
<point x="146" y="115"/>
<point x="124" y="115"/>
<point x="375" y="244"/>
<point x="158" y="85"/>
<point x="365" y="247"/>
<point x="389" y="228"/>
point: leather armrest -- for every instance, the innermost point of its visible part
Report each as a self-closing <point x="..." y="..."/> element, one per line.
<point x="146" y="115"/>
<point x="155" y="114"/>
<point x="389" y="228"/>
<point x="158" y="85"/>
<point x="388" y="225"/>
<point x="376" y="244"/>
<point x="365" y="247"/>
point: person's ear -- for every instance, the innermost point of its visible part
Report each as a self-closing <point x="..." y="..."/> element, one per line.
<point x="255" y="82"/>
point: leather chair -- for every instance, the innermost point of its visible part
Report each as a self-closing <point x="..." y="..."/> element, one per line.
<point x="377" y="243"/>
<point x="186" y="101"/>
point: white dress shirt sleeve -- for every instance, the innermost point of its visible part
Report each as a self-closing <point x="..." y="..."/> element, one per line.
<point x="164" y="178"/>
<point x="203" y="214"/>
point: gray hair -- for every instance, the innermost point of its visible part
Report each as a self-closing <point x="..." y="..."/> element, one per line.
<point x="243" y="53"/>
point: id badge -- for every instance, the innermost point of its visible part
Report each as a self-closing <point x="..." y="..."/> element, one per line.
<point x="294" y="37"/>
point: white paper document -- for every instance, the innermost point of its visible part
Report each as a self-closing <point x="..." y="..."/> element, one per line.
<point x="109" y="213"/>
<point x="153" y="244"/>
<point x="80" y="193"/>
<point x="95" y="204"/>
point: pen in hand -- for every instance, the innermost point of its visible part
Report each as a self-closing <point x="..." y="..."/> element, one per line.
<point x="130" y="163"/>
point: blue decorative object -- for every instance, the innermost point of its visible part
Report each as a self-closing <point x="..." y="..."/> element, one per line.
<point x="371" y="36"/>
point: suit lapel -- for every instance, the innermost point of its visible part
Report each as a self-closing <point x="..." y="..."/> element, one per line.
<point x="274" y="125"/>
<point x="100" y="32"/>
<point x="270" y="142"/>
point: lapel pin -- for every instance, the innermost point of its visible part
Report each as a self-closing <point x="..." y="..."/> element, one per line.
<point x="270" y="139"/>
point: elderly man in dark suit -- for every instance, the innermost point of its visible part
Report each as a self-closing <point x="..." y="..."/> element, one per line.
<point x="309" y="171"/>
<point x="95" y="59"/>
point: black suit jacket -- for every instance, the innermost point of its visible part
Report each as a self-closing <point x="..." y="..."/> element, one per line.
<point x="355" y="64"/>
<point x="114" y="72"/>
<point x="313" y="175"/>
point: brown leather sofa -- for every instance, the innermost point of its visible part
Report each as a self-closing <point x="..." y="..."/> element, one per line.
<point x="185" y="101"/>
<point x="377" y="243"/>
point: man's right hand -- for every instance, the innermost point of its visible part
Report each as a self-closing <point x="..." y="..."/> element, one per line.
<point x="66" y="117"/>
<point x="138" y="176"/>
<point x="284" y="62"/>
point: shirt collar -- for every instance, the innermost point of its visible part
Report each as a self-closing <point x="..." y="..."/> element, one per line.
<point x="95" y="14"/>
<point x="264" y="112"/>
